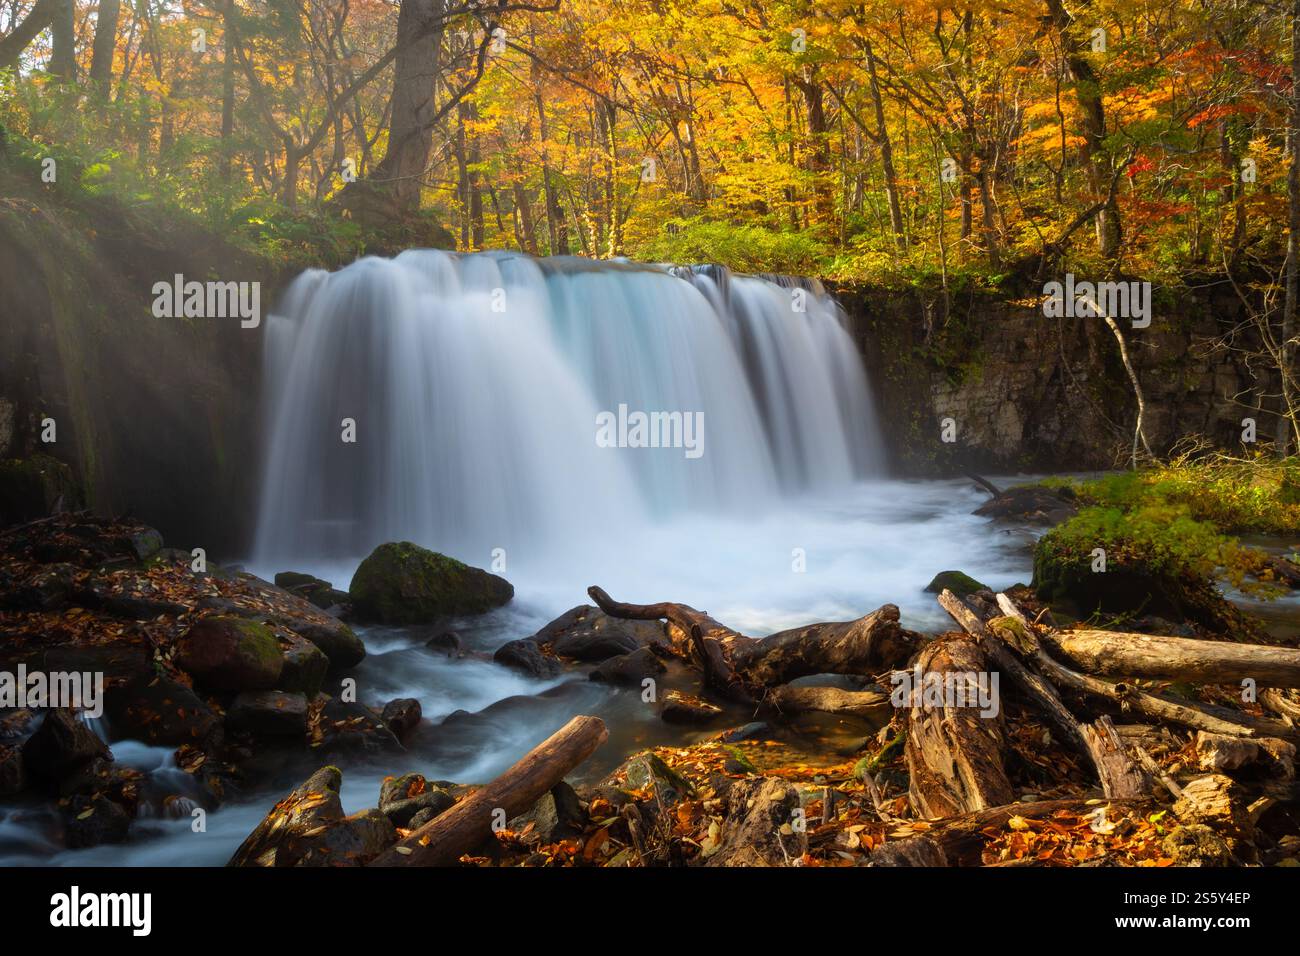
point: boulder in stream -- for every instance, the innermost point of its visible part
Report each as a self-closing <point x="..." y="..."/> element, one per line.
<point x="403" y="583"/>
<point x="228" y="652"/>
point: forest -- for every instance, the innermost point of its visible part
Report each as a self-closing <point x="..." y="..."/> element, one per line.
<point x="388" y="386"/>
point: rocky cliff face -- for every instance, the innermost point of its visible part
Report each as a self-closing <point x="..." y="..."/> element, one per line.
<point x="1030" y="393"/>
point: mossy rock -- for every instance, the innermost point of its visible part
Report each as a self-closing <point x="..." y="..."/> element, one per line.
<point x="1132" y="586"/>
<point x="957" y="582"/>
<point x="30" y="488"/>
<point x="402" y="583"/>
<point x="231" y="653"/>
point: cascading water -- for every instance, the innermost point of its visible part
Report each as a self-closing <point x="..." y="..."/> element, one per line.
<point x="475" y="383"/>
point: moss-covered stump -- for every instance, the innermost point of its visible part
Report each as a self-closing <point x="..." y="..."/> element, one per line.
<point x="402" y="583"/>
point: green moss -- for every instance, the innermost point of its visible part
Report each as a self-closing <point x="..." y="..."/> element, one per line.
<point x="402" y="583"/>
<point x="957" y="582"/>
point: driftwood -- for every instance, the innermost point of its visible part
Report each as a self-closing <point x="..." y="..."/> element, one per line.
<point x="744" y="667"/>
<point x="1219" y="720"/>
<point x="954" y="753"/>
<point x="786" y="700"/>
<point x="445" y="839"/>
<point x="1120" y="777"/>
<point x="1117" y="654"/>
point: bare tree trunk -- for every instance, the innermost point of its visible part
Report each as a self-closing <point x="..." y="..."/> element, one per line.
<point x="63" y="58"/>
<point x="101" y="62"/>
<point x="886" y="152"/>
<point x="227" y="89"/>
<point x="20" y="38"/>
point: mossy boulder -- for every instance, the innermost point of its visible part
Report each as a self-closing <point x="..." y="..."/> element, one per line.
<point x="402" y="583"/>
<point x="231" y="653"/>
<point x="1135" y="583"/>
<point x="31" y="488"/>
<point x="957" y="582"/>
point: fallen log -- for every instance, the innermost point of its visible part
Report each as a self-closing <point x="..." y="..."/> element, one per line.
<point x="445" y="839"/>
<point x="743" y="666"/>
<point x="953" y="752"/>
<point x="786" y="701"/>
<point x="1281" y="702"/>
<point x="1209" y="717"/>
<point x="1118" y="654"/>
<point x="1115" y="770"/>
<point x="1121" y="776"/>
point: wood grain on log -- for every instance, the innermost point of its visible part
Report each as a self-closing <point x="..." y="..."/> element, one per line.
<point x="1118" y="654"/>
<point x="954" y="755"/>
<point x="444" y="840"/>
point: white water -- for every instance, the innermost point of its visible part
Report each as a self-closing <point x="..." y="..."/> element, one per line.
<point x="475" y="383"/>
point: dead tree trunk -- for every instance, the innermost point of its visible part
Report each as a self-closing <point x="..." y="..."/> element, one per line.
<point x="444" y="840"/>
<point x="745" y="667"/>
<point x="1116" y="653"/>
<point x="954" y="753"/>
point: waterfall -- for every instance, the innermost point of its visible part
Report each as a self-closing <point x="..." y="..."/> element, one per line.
<point x="475" y="382"/>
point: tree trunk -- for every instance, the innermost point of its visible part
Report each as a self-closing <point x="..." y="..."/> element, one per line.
<point x="63" y="57"/>
<point x="410" y="135"/>
<point x="101" y="62"/>
<point x="1087" y="90"/>
<point x="20" y="38"/>
<point x="467" y="825"/>
<point x="954" y="755"/>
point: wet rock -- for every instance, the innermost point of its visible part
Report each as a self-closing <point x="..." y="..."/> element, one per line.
<point x="13" y="775"/>
<point x="402" y="716"/>
<point x="524" y="655"/>
<point x="335" y="639"/>
<point x="60" y="746"/>
<point x="957" y="582"/>
<point x="448" y="642"/>
<point x="308" y="828"/>
<point x="758" y="829"/>
<point x="231" y="653"/>
<point x="402" y="583"/>
<point x="423" y="807"/>
<point x="352" y="728"/>
<point x="410" y="801"/>
<point x="755" y="730"/>
<point x="679" y="708"/>
<point x="648" y="772"/>
<point x="305" y="667"/>
<point x="159" y="711"/>
<point x="586" y="633"/>
<point x="268" y="713"/>
<point x="317" y="592"/>
<point x="95" y="820"/>
<point x="557" y="815"/>
<point x="629" y="668"/>
<point x="145" y="543"/>
<point x="50" y="588"/>
<point x="1034" y="504"/>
